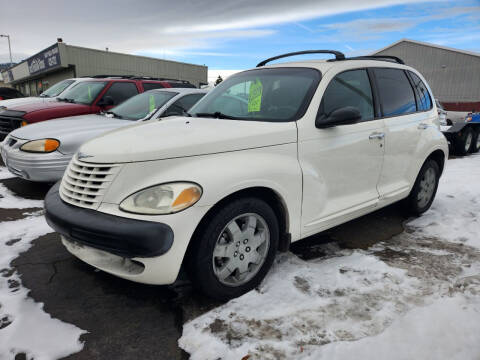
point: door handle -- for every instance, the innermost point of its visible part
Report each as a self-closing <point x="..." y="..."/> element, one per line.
<point x="423" y="126"/>
<point x="377" y="135"/>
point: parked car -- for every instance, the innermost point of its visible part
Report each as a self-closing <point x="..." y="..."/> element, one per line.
<point x="49" y="94"/>
<point x="316" y="144"/>
<point x="442" y="114"/>
<point x="41" y="152"/>
<point x="9" y="93"/>
<point x="463" y="136"/>
<point x="86" y="97"/>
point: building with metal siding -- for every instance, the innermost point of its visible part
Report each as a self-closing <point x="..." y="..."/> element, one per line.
<point x="61" y="61"/>
<point x="453" y="74"/>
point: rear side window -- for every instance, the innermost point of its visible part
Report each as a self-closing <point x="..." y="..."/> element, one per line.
<point x="121" y="91"/>
<point x="350" y="88"/>
<point x="424" y="100"/>
<point x="151" y="86"/>
<point x="396" y="93"/>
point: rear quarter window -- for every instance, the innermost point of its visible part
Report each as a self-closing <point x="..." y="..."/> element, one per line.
<point x="424" y="102"/>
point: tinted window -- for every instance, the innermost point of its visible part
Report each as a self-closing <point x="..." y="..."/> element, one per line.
<point x="151" y="86"/>
<point x="424" y="100"/>
<point x="121" y="91"/>
<point x="280" y="94"/>
<point x="350" y="88"/>
<point x="183" y="104"/>
<point x="396" y="93"/>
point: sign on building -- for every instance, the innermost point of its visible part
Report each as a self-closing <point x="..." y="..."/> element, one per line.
<point x="45" y="60"/>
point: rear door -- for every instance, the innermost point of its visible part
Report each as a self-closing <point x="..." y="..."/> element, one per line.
<point x="341" y="165"/>
<point x="403" y="125"/>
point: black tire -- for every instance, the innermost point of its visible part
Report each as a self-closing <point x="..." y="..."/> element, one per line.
<point x="200" y="259"/>
<point x="460" y="142"/>
<point x="414" y="205"/>
<point x="476" y="141"/>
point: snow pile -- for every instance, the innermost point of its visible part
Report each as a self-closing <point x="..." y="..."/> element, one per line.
<point x="416" y="295"/>
<point x="24" y="326"/>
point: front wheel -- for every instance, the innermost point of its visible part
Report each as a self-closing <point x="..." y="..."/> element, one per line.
<point x="235" y="250"/>
<point x="424" y="189"/>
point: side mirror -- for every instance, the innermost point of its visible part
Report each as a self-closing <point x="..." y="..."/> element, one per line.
<point x="106" y="101"/>
<point x="343" y="116"/>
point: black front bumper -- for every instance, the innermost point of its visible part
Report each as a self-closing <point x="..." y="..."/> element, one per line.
<point x="117" y="235"/>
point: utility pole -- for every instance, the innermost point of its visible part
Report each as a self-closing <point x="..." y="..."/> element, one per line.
<point x="9" y="47"/>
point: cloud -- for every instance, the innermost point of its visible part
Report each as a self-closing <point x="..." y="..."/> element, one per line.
<point x="375" y="28"/>
<point x="158" y="26"/>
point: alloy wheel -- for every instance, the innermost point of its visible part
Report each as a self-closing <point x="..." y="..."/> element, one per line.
<point x="241" y="249"/>
<point x="427" y="187"/>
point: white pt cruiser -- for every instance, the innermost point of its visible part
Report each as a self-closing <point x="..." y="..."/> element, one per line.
<point x="270" y="156"/>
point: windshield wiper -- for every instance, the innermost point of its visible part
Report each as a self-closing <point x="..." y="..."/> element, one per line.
<point x="115" y="115"/>
<point x="66" y="100"/>
<point x="217" y="115"/>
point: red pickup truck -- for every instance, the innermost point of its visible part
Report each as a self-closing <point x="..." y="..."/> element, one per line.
<point x="88" y="97"/>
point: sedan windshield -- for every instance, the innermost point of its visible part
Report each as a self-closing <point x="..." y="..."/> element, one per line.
<point x="139" y="106"/>
<point x="272" y="94"/>
<point x="83" y="93"/>
<point x="57" y="89"/>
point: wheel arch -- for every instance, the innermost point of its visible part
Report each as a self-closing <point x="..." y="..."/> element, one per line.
<point x="439" y="157"/>
<point x="270" y="196"/>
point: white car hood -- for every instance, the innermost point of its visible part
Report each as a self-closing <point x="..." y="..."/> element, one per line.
<point x="20" y="101"/>
<point x="184" y="136"/>
<point x="59" y="128"/>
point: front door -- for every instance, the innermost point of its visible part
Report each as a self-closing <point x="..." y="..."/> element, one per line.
<point x="341" y="165"/>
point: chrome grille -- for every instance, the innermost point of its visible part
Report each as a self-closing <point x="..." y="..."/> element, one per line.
<point x="84" y="184"/>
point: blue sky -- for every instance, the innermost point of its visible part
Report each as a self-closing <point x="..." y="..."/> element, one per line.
<point x="454" y="24"/>
<point x="237" y="34"/>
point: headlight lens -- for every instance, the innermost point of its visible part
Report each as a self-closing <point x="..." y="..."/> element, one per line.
<point x="163" y="199"/>
<point x="41" y="146"/>
<point x="468" y="119"/>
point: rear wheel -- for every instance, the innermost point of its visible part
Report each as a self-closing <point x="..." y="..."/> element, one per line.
<point x="476" y="141"/>
<point x="235" y="250"/>
<point x="424" y="189"/>
<point x="464" y="142"/>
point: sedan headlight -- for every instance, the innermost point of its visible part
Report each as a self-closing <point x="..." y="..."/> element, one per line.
<point x="163" y="199"/>
<point x="41" y="146"/>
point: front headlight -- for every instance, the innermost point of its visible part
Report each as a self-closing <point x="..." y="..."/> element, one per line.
<point x="163" y="199"/>
<point x="41" y="146"/>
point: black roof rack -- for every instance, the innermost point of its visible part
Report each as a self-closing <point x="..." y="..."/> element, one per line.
<point x="135" y="77"/>
<point x="338" y="55"/>
<point x="375" y="57"/>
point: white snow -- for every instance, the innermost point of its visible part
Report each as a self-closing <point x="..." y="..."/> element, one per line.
<point x="24" y="326"/>
<point x="5" y="174"/>
<point x="9" y="200"/>
<point x="416" y="295"/>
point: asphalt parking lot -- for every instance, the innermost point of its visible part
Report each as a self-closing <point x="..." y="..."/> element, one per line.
<point x="125" y="320"/>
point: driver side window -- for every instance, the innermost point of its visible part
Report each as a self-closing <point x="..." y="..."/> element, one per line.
<point x="350" y="88"/>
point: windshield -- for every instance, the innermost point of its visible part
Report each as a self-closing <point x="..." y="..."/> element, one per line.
<point x="279" y="94"/>
<point x="57" y="89"/>
<point x="83" y="93"/>
<point x="139" y="106"/>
